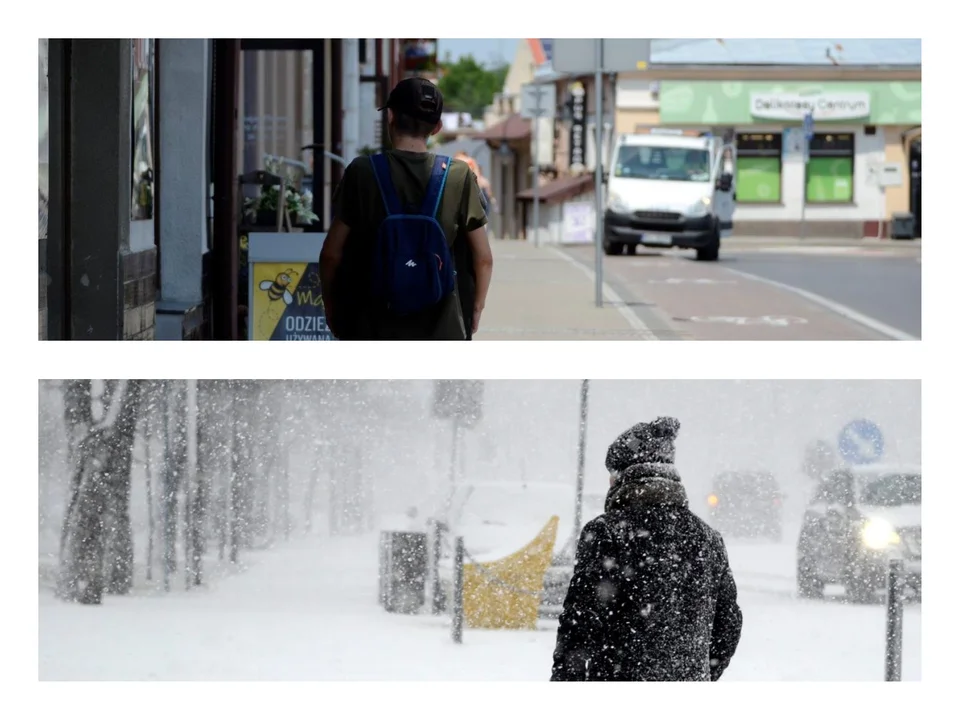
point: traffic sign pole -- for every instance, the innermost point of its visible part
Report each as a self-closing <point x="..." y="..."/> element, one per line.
<point x="536" y="170"/>
<point x="807" y="137"/>
<point x="537" y="101"/>
<point x="598" y="126"/>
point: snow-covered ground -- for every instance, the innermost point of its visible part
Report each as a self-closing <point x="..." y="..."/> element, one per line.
<point x="307" y="610"/>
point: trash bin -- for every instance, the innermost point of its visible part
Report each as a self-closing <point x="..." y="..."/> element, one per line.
<point x="403" y="571"/>
<point x="903" y="227"/>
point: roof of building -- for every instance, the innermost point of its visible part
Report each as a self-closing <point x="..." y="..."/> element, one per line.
<point x="514" y="127"/>
<point x="803" y="52"/>
<point x="787" y="51"/>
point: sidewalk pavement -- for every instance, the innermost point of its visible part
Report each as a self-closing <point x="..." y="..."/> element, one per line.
<point x="744" y="241"/>
<point x="540" y="294"/>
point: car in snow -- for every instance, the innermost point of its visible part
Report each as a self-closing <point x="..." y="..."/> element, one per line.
<point x="746" y="503"/>
<point x="857" y="519"/>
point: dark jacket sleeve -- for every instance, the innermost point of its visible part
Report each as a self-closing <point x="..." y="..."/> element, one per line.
<point x="581" y="627"/>
<point x="727" y="620"/>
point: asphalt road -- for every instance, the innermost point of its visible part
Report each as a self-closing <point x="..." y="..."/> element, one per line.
<point x="879" y="285"/>
<point x="769" y="293"/>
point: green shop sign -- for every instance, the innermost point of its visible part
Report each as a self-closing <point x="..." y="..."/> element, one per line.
<point x="743" y="103"/>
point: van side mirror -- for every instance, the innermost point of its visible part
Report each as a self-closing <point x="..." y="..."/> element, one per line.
<point x="725" y="182"/>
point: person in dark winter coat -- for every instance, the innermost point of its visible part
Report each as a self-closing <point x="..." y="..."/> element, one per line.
<point x="652" y="596"/>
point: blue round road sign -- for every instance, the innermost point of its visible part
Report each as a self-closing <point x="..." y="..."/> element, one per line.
<point x="861" y="442"/>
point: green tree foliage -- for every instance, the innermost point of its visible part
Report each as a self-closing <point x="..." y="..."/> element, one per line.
<point x="469" y="87"/>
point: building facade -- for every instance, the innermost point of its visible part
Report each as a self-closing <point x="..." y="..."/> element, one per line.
<point x="863" y="165"/>
<point x="849" y="182"/>
<point x="142" y="142"/>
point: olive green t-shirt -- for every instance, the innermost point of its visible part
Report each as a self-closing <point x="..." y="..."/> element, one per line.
<point x="358" y="204"/>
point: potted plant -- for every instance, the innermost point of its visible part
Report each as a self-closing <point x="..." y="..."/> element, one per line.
<point x="262" y="209"/>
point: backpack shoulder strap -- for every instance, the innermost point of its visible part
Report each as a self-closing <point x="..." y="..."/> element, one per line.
<point x="381" y="171"/>
<point x="438" y="180"/>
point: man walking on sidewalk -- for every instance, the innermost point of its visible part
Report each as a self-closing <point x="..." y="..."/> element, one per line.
<point x="407" y="256"/>
<point x="652" y="597"/>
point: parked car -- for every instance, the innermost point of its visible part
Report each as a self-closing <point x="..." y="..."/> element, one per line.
<point x="746" y="503"/>
<point x="856" y="521"/>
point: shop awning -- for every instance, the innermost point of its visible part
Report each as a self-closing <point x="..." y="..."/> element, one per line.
<point x="559" y="190"/>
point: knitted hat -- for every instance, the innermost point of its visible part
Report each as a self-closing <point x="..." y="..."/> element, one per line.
<point x="644" y="443"/>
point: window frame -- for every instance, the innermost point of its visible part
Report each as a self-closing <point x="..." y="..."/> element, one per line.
<point x="763" y="153"/>
<point x="814" y="153"/>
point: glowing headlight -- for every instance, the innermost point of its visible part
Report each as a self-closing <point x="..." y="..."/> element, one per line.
<point x="878" y="534"/>
<point x="616" y="203"/>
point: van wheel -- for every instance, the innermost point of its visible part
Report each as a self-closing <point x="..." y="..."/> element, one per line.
<point x="632" y="249"/>
<point x="711" y="251"/>
<point x="612" y="248"/>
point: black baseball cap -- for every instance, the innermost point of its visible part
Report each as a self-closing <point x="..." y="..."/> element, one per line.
<point x="418" y="98"/>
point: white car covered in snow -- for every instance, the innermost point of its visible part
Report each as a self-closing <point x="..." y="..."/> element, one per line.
<point x="856" y="521"/>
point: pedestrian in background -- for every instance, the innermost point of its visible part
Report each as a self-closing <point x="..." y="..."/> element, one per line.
<point x="652" y="596"/>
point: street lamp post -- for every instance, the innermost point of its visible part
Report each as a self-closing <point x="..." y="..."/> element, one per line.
<point x="581" y="458"/>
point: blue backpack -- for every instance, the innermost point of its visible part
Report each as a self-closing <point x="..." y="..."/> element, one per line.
<point x="412" y="265"/>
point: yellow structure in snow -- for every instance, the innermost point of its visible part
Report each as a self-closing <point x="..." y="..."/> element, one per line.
<point x="505" y="593"/>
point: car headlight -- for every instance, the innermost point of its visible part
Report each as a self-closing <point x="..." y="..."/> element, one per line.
<point x="616" y="203"/>
<point x="700" y="207"/>
<point x="878" y="534"/>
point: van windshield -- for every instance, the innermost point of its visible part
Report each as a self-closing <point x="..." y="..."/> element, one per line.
<point x="662" y="163"/>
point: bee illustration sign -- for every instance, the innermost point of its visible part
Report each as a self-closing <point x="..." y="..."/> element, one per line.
<point x="284" y="286"/>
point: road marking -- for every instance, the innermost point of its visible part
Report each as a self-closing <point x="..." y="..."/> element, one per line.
<point x="692" y="281"/>
<point x="774" y="320"/>
<point x="842" y="310"/>
<point x="651" y="263"/>
<point x="625" y="310"/>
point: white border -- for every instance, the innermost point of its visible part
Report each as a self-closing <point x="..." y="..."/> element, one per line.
<point x="933" y="360"/>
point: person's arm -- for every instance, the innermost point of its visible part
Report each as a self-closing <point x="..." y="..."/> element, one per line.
<point x="483" y="269"/>
<point x="475" y="227"/>
<point x="581" y="623"/>
<point x="727" y="620"/>
<point x="331" y="255"/>
<point x="346" y="210"/>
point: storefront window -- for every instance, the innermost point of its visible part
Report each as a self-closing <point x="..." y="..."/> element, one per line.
<point x="759" y="165"/>
<point x="830" y="169"/>
<point x="276" y="105"/>
<point x="143" y="138"/>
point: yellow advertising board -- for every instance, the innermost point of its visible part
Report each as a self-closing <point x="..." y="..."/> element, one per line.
<point x="284" y="293"/>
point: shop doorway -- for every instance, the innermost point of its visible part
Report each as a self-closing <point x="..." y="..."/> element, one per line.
<point x="282" y="109"/>
<point x="915" y="193"/>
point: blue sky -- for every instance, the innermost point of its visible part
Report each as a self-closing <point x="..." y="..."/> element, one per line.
<point x="484" y="50"/>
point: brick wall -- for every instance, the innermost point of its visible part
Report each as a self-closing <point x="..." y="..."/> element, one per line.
<point x="138" y="277"/>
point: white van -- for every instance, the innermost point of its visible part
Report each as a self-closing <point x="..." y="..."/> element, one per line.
<point x="668" y="189"/>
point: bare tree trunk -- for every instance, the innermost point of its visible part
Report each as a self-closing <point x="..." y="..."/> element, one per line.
<point x="205" y="467"/>
<point x="236" y="479"/>
<point x="101" y="460"/>
<point x="283" y="501"/>
<point x="120" y="539"/>
<point x="148" y="463"/>
<point x="173" y="475"/>
<point x="78" y="416"/>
